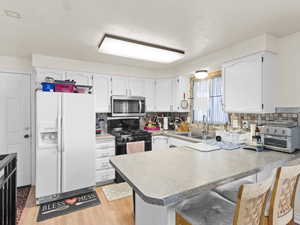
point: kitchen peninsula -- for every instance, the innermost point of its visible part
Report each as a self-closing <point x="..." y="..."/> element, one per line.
<point x="162" y="179"/>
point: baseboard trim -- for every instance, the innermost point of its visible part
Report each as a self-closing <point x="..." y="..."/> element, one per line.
<point x="297" y="217"/>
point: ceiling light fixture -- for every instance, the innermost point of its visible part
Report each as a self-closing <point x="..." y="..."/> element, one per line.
<point x="125" y="47"/>
<point x="12" y="14"/>
<point x="201" y="74"/>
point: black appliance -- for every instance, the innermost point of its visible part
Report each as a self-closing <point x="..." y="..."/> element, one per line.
<point x="127" y="130"/>
<point x="8" y="187"/>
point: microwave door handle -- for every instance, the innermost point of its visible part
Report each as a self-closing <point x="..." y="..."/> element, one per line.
<point x="140" y="105"/>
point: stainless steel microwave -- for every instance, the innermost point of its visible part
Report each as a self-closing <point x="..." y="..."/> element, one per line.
<point x="128" y="106"/>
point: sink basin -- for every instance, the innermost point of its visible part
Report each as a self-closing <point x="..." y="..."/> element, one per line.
<point x="184" y="134"/>
<point x="202" y="137"/>
<point x="194" y="136"/>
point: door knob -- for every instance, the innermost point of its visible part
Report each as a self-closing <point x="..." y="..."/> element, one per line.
<point x="26" y="136"/>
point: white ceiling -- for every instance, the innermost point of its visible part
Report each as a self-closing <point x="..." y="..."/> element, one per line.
<point x="73" y="28"/>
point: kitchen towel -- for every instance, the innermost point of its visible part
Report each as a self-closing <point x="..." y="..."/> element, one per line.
<point x="134" y="147"/>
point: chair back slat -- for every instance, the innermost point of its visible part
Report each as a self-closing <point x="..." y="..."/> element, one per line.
<point x="251" y="202"/>
<point x="283" y="196"/>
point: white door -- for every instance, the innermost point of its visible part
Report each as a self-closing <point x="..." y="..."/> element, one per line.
<point x="243" y="85"/>
<point x="48" y="158"/>
<point x="136" y="87"/>
<point x="163" y="95"/>
<point x="150" y="95"/>
<point x="81" y="78"/>
<point x="102" y="93"/>
<point x="119" y="85"/>
<point x="15" y="132"/>
<point x="78" y="141"/>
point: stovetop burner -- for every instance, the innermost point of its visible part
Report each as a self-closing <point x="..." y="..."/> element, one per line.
<point x="129" y="132"/>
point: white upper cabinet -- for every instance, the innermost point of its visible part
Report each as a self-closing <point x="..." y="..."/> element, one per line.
<point x="81" y="78"/>
<point x="136" y="87"/>
<point x="183" y="93"/>
<point x="163" y="95"/>
<point x="102" y="90"/>
<point x="119" y="85"/>
<point x="150" y="94"/>
<point x="250" y="84"/>
<point x="41" y="74"/>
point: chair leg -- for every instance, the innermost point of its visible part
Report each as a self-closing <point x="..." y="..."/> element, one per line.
<point x="180" y="220"/>
<point x="265" y="220"/>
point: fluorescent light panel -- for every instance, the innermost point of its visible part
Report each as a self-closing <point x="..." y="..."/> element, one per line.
<point x="124" y="47"/>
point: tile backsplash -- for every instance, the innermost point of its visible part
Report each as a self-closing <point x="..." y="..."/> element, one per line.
<point x="262" y="119"/>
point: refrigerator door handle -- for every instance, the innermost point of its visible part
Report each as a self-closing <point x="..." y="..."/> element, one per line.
<point x="59" y="145"/>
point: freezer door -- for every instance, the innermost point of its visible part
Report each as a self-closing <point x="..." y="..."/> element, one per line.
<point x="78" y="141"/>
<point x="48" y="155"/>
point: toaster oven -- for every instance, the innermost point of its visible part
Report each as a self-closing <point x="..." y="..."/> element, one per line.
<point x="278" y="138"/>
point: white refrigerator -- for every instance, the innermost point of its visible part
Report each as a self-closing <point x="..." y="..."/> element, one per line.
<point x="65" y="143"/>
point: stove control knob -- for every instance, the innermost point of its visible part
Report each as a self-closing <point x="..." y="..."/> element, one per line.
<point x="283" y="132"/>
<point x="275" y="131"/>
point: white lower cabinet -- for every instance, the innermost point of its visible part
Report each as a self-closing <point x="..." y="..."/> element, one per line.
<point x="160" y="142"/>
<point x="105" y="148"/>
<point x="105" y="175"/>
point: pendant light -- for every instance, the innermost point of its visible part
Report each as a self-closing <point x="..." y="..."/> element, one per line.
<point x="201" y="74"/>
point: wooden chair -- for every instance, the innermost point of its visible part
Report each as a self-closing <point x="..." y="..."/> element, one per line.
<point x="230" y="190"/>
<point x="281" y="211"/>
<point x="213" y="209"/>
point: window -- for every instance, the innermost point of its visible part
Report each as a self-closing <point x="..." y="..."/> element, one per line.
<point x="208" y="101"/>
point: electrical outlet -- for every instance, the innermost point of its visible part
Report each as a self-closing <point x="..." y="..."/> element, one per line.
<point x="235" y="124"/>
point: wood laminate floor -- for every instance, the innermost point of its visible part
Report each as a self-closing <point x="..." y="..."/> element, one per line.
<point x="118" y="212"/>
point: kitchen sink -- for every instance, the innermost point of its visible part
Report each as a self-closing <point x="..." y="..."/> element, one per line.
<point x="194" y="136"/>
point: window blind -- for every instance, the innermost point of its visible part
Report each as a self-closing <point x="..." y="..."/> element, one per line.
<point x="209" y="91"/>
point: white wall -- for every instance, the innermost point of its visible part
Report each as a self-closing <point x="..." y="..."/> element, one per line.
<point x="213" y="61"/>
<point x="16" y="64"/>
<point x="41" y="61"/>
<point x="289" y="58"/>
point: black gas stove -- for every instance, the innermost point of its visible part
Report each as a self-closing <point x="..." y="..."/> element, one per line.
<point x="127" y="130"/>
<point x="125" y="136"/>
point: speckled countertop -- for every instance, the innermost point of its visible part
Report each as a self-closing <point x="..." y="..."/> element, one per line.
<point x="169" y="176"/>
